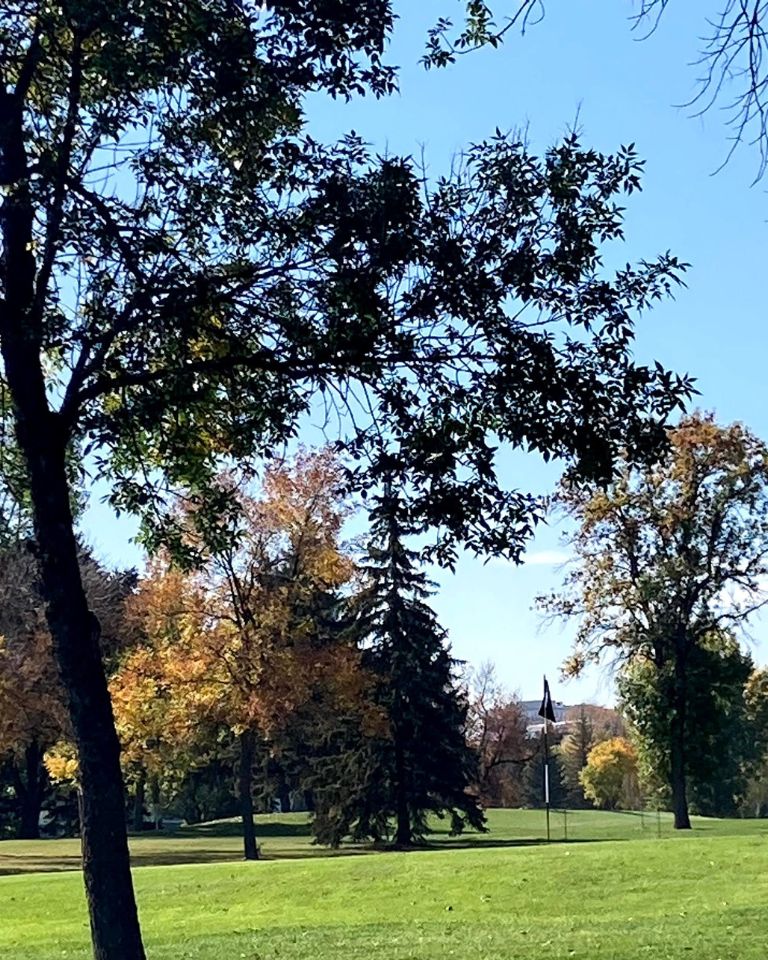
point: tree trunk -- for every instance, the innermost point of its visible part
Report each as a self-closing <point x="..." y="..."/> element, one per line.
<point x="245" y="791"/>
<point x="678" y="744"/>
<point x="138" y="802"/>
<point x="155" y="805"/>
<point x="75" y="631"/>
<point x="403" y="832"/>
<point x="284" y="795"/>
<point x="43" y="439"/>
<point x="677" y="777"/>
<point x="31" y="793"/>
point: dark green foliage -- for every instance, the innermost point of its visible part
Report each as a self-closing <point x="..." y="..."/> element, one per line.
<point x="266" y="271"/>
<point x="532" y="774"/>
<point x="723" y="743"/>
<point x="417" y="762"/>
<point x="207" y="793"/>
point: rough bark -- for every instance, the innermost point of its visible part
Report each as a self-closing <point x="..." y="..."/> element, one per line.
<point x="106" y="865"/>
<point x="245" y="792"/>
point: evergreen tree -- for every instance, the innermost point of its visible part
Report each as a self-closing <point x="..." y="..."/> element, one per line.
<point x="410" y="757"/>
<point x="532" y="776"/>
<point x="573" y="754"/>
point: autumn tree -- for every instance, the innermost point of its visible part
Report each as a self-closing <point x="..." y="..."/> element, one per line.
<point x="665" y="557"/>
<point x="419" y="762"/>
<point x="33" y="715"/>
<point x="185" y="272"/>
<point x="587" y="726"/>
<point x="754" y="801"/>
<point x="164" y="729"/>
<point x="247" y="638"/>
<point x="610" y="775"/>
<point x="496" y="730"/>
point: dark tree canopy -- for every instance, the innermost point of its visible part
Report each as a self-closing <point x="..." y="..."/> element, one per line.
<point x="725" y="742"/>
<point x="387" y="783"/>
<point x="201" y="270"/>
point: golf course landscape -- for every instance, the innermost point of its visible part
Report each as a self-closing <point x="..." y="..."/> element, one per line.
<point x="622" y="886"/>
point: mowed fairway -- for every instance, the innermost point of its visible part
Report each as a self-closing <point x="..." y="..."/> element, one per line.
<point x="701" y="896"/>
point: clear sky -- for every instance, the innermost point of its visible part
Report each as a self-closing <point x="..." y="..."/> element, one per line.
<point x="582" y="60"/>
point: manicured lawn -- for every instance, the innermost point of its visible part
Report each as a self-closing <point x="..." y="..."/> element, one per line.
<point x="699" y="896"/>
<point x="288" y="837"/>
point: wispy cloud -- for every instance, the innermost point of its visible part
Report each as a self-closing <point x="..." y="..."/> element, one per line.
<point x="546" y="558"/>
<point x="536" y="558"/>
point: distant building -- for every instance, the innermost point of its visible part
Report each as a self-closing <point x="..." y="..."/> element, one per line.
<point x="534" y="723"/>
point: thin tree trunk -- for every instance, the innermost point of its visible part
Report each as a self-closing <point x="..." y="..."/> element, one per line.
<point x="31" y="793"/>
<point x="678" y="744"/>
<point x="43" y="439"/>
<point x="245" y="790"/>
<point x="284" y="795"/>
<point x="138" y="802"/>
<point x="154" y="801"/>
<point x="403" y="832"/>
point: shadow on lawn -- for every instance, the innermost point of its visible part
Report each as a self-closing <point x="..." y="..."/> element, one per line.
<point x="233" y="828"/>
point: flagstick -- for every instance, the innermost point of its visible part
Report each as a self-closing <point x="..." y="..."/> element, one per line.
<point x="546" y="772"/>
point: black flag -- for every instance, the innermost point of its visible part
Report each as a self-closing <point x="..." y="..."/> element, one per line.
<point x="547" y="710"/>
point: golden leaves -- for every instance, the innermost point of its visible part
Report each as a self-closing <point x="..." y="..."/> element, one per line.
<point x="241" y="642"/>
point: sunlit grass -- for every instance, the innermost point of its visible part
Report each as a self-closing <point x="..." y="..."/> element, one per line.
<point x="689" y="896"/>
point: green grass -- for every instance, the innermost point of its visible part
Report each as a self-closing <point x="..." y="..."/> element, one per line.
<point x="699" y="896"/>
<point x="288" y="837"/>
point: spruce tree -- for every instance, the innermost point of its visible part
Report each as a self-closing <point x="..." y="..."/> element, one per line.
<point x="410" y="757"/>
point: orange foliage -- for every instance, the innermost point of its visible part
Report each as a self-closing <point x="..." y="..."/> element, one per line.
<point x="238" y="642"/>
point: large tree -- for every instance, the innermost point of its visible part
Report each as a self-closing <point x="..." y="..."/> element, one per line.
<point x="185" y="272"/>
<point x="665" y="557"/>
<point x="726" y="743"/>
<point x="251" y="635"/>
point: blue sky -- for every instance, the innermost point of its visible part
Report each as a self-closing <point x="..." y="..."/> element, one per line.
<point x="582" y="60"/>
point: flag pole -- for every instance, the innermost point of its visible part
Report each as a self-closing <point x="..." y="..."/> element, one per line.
<point x="547" y="713"/>
<point x="546" y="766"/>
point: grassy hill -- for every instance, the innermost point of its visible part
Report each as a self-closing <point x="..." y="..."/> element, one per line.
<point x="696" y="896"/>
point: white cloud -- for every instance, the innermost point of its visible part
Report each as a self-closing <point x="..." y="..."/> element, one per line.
<point x="546" y="558"/>
<point x="536" y="558"/>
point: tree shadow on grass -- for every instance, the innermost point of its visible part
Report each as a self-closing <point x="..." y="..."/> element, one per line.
<point x="233" y="828"/>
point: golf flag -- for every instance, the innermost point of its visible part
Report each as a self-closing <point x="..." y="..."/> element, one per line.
<point x="547" y="710"/>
